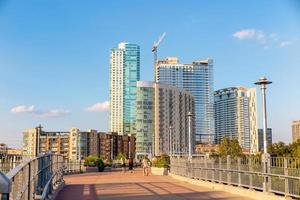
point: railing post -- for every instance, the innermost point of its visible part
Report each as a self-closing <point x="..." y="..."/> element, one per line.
<point x="286" y="180"/>
<point x="205" y="166"/>
<point x="250" y="174"/>
<point x="266" y="168"/>
<point x="5" y="187"/>
<point x="213" y="169"/>
<point x="220" y="169"/>
<point x="29" y="181"/>
<point x="228" y="162"/>
<point x="239" y="169"/>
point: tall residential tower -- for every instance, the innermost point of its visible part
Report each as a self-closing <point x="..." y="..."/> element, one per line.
<point x="162" y="125"/>
<point x="196" y="78"/>
<point x="124" y="73"/>
<point x="236" y="116"/>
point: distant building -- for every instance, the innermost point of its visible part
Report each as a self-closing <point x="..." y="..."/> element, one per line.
<point x="112" y="144"/>
<point x="196" y="78"/>
<point x="236" y="116"/>
<point x="261" y="138"/>
<point x="295" y="130"/>
<point x="3" y="149"/>
<point x="162" y="119"/>
<point x="36" y="141"/>
<point x="82" y="143"/>
<point x="76" y="144"/>
<point x="124" y="72"/>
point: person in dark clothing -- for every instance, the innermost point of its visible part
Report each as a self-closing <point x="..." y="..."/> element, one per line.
<point x="130" y="164"/>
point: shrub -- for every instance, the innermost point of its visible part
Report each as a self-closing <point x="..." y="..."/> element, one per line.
<point x="162" y="161"/>
<point x="90" y="161"/>
<point x="100" y="164"/>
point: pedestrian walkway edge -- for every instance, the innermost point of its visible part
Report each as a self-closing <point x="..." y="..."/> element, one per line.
<point x="230" y="189"/>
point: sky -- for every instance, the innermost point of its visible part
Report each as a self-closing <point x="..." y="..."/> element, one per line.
<point x="54" y="55"/>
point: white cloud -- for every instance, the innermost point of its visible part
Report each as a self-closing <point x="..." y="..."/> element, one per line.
<point x="38" y="112"/>
<point x="284" y="44"/>
<point x="52" y="113"/>
<point x="251" y="34"/>
<point x="98" y="107"/>
<point x="267" y="40"/>
<point x="23" y="109"/>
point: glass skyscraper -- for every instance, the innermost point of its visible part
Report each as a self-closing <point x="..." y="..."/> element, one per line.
<point x="124" y="73"/>
<point x="196" y="78"/>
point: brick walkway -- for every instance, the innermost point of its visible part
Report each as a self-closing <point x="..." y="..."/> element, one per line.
<point x="117" y="185"/>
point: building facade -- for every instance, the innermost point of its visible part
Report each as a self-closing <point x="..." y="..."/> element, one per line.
<point x="295" y="131"/>
<point x="82" y="143"/>
<point x="261" y="138"/>
<point x="197" y="78"/>
<point x="77" y="144"/>
<point x="124" y="72"/>
<point x="112" y="144"/>
<point x="144" y="123"/>
<point x="162" y="119"/>
<point x="235" y="116"/>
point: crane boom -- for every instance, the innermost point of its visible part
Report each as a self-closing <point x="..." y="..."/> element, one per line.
<point x="154" y="50"/>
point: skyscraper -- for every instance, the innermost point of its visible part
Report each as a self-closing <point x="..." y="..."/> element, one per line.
<point x="236" y="116"/>
<point x="296" y="130"/>
<point x="162" y="122"/>
<point x="261" y="138"/>
<point x="124" y="72"/>
<point x="197" y="78"/>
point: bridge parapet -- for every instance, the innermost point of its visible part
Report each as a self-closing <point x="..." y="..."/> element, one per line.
<point x="37" y="178"/>
<point x="282" y="177"/>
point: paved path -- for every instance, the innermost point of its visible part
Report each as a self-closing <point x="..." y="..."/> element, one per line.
<point x="133" y="186"/>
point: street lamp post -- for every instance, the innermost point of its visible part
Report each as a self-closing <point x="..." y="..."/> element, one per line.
<point x="263" y="82"/>
<point x="190" y="136"/>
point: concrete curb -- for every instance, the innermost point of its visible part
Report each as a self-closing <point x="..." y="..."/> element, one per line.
<point x="230" y="189"/>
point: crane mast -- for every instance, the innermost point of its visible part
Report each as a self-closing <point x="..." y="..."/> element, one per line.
<point x="154" y="51"/>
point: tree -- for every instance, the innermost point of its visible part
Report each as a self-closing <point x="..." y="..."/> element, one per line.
<point x="229" y="147"/>
<point x="279" y="149"/>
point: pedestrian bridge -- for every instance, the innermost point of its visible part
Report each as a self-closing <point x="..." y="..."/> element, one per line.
<point x="117" y="185"/>
<point x="199" y="177"/>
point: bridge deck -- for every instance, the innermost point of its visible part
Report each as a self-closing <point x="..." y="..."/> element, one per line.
<point x="134" y="186"/>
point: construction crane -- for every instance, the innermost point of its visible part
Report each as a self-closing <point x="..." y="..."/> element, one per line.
<point x="154" y="51"/>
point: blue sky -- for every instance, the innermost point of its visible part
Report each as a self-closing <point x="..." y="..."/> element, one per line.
<point x="54" y="55"/>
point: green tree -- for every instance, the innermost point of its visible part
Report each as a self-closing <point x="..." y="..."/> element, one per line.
<point x="229" y="147"/>
<point x="279" y="149"/>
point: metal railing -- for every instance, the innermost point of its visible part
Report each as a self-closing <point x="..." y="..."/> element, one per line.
<point x="38" y="178"/>
<point x="283" y="175"/>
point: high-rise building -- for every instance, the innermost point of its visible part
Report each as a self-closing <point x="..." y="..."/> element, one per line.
<point x="197" y="78"/>
<point x="124" y="72"/>
<point x="296" y="130"/>
<point x="261" y="138"/>
<point x="236" y="116"/>
<point x="144" y="123"/>
<point x="162" y="123"/>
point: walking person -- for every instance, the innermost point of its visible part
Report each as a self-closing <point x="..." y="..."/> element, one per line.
<point x="123" y="163"/>
<point x="145" y="163"/>
<point x="130" y="165"/>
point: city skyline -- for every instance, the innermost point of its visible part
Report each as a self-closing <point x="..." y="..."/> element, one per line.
<point x="55" y="64"/>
